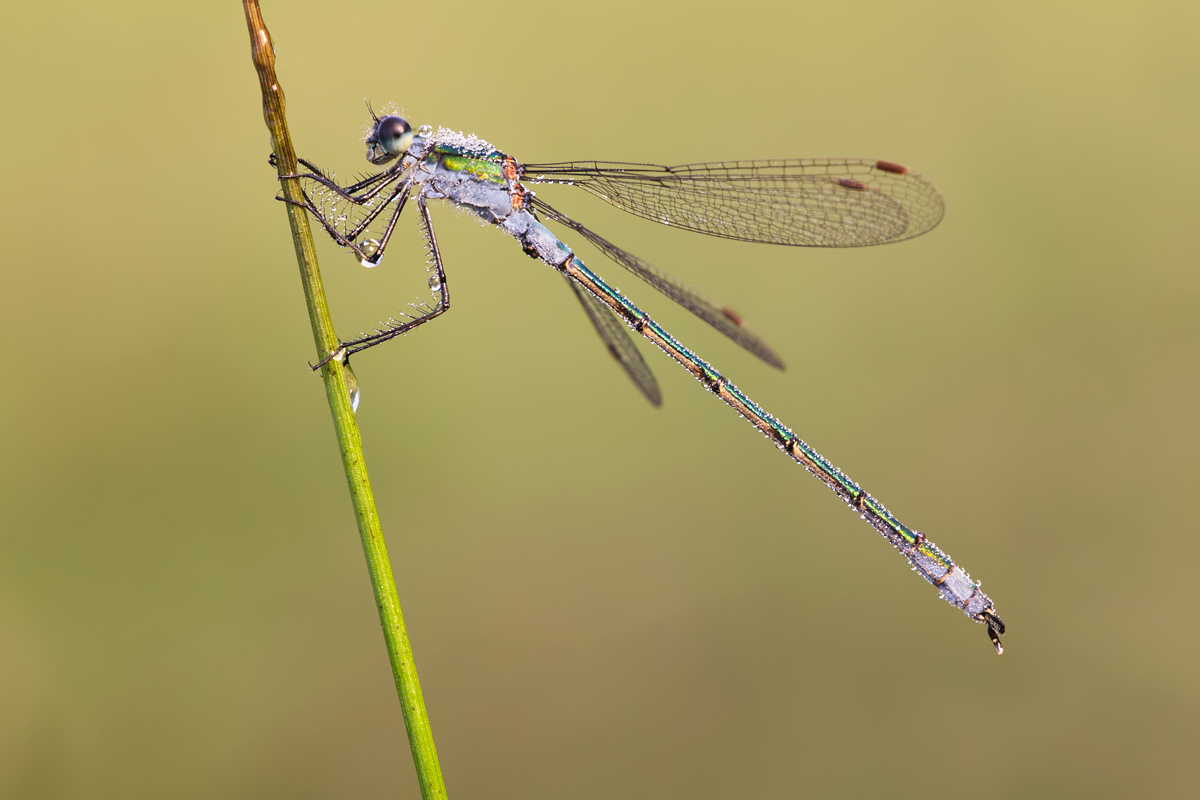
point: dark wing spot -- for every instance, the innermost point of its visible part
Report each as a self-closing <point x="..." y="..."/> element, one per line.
<point x="851" y="184"/>
<point x="733" y="316"/>
<point x="888" y="166"/>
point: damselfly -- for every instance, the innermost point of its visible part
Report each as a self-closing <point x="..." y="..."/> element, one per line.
<point x="803" y="202"/>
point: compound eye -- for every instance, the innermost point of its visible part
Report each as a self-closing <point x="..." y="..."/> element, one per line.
<point x="394" y="135"/>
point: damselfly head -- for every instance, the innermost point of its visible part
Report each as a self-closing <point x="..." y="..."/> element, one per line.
<point x="389" y="138"/>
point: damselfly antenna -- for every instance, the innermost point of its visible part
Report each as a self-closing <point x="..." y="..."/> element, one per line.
<point x="370" y="110"/>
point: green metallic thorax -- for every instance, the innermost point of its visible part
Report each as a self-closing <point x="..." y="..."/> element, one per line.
<point x="486" y="168"/>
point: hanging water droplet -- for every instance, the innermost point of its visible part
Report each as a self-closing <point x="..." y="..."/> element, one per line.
<point x="352" y="389"/>
<point x="425" y="130"/>
<point x="369" y="249"/>
<point x="435" y="283"/>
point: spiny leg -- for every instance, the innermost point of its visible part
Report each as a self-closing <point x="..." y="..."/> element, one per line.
<point x="384" y="179"/>
<point x="394" y="328"/>
<point x="403" y="192"/>
<point x="377" y="247"/>
<point x="375" y="253"/>
<point x="372" y="254"/>
<point x="346" y="191"/>
<point x="317" y="175"/>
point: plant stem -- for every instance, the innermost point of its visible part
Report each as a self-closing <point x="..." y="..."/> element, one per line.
<point x="416" y="720"/>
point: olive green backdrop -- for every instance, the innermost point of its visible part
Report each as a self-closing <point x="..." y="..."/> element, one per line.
<point x="606" y="600"/>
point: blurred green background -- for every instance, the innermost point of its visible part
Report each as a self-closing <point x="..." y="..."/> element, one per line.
<point x="605" y="600"/>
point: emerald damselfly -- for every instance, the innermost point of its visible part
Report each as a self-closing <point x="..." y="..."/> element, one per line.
<point x="801" y="202"/>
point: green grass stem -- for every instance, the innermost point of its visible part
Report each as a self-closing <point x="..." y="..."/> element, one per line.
<point x="416" y="720"/>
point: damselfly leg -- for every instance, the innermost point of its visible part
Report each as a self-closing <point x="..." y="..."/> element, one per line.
<point x="329" y="203"/>
<point x="318" y="175"/>
<point x="437" y="282"/>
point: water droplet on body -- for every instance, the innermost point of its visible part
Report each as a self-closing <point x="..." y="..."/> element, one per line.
<point x="425" y="130"/>
<point x="435" y="283"/>
<point x="369" y="248"/>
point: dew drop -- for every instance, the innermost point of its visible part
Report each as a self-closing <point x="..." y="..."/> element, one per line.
<point x="425" y="130"/>
<point x="435" y="283"/>
<point x="369" y="249"/>
<point x="352" y="388"/>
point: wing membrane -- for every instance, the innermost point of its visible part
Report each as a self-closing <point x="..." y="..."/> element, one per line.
<point x="802" y="202"/>
<point x="723" y="319"/>
<point x="619" y="345"/>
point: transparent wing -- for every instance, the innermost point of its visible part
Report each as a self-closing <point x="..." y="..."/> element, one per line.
<point x="803" y="202"/>
<point x="620" y="346"/>
<point x="723" y="319"/>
